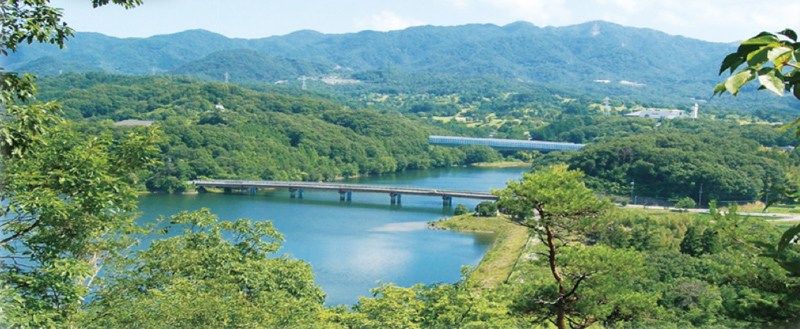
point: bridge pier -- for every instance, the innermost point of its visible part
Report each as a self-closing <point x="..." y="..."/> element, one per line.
<point x="395" y="198"/>
<point x="299" y="192"/>
<point x="447" y="201"/>
<point x="253" y="191"/>
<point x="345" y="195"/>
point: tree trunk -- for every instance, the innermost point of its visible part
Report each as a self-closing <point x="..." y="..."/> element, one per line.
<point x="561" y="304"/>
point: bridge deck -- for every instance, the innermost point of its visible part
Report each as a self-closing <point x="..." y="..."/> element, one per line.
<point x="505" y="144"/>
<point x="243" y="184"/>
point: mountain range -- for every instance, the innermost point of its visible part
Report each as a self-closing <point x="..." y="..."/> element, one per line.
<point x="597" y="57"/>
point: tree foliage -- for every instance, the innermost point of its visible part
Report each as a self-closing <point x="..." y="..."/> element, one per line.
<point x="486" y="209"/>
<point x="772" y="59"/>
<point x="560" y="202"/>
<point x="203" y="279"/>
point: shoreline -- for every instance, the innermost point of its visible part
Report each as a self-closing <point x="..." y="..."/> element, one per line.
<point x="499" y="261"/>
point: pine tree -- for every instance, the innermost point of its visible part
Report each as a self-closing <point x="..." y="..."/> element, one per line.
<point x="691" y="244"/>
<point x="711" y="242"/>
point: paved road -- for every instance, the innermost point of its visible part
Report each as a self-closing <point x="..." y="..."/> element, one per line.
<point x="773" y="217"/>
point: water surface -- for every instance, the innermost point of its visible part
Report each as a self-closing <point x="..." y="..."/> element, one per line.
<point x="352" y="245"/>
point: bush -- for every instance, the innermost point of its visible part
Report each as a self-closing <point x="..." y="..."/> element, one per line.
<point x="486" y="209"/>
<point x="461" y="209"/>
<point x="685" y="203"/>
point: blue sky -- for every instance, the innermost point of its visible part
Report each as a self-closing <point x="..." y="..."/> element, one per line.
<point x="710" y="20"/>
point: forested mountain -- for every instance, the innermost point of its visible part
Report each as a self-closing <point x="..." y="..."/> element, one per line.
<point x="601" y="58"/>
<point x="243" y="65"/>
<point x="225" y="131"/>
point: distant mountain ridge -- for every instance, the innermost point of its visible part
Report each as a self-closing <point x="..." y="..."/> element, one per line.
<point x="599" y="57"/>
<point x="515" y="50"/>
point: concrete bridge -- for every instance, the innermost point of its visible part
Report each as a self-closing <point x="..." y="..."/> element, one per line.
<point x="505" y="144"/>
<point x="345" y="190"/>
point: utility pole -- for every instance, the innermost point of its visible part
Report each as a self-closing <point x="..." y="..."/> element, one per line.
<point x="632" y="200"/>
<point x="700" y="196"/>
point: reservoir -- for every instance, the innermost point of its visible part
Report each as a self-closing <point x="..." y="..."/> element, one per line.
<point x="353" y="245"/>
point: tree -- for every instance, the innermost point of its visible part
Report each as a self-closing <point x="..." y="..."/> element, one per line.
<point x="685" y="203"/>
<point x="773" y="60"/>
<point x="711" y="241"/>
<point x="460" y="210"/>
<point x="692" y="244"/>
<point x="202" y="279"/>
<point x="67" y="197"/>
<point x="68" y="206"/>
<point x="561" y="203"/>
<point x="486" y="209"/>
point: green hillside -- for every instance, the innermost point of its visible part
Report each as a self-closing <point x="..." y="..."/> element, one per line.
<point x="242" y="65"/>
<point x="225" y="131"/>
<point x="596" y="58"/>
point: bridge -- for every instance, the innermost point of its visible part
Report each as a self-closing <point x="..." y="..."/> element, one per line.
<point x="505" y="144"/>
<point x="345" y="190"/>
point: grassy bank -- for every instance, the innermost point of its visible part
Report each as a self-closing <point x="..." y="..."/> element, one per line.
<point x="499" y="261"/>
<point x="502" y="164"/>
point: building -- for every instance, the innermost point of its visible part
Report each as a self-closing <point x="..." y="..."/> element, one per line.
<point x="133" y="123"/>
<point x="657" y="114"/>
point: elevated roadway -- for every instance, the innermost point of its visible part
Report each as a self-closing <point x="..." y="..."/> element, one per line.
<point x="345" y="190"/>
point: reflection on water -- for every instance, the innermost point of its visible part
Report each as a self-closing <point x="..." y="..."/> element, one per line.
<point x="352" y="245"/>
<point x="402" y="227"/>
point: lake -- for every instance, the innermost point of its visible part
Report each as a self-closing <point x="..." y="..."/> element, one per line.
<point x="353" y="245"/>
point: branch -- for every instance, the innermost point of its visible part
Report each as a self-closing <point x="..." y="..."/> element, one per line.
<point x="794" y="66"/>
<point x="575" y="287"/>
<point x="586" y="323"/>
<point x="94" y="260"/>
<point x="20" y="233"/>
<point x="542" y="301"/>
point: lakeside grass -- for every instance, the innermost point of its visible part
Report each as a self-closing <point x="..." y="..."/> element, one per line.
<point x="499" y="261"/>
<point x="502" y="164"/>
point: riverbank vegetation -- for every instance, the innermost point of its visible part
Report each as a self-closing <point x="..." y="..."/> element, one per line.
<point x="498" y="263"/>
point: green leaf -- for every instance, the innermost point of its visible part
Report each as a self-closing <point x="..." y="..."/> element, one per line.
<point x="789" y="34"/>
<point x="788" y="236"/>
<point x="796" y="92"/>
<point x="735" y="82"/>
<point x="720" y="89"/>
<point x="732" y="61"/>
<point x="759" y="57"/>
<point x="775" y="53"/>
<point x="762" y="39"/>
<point x="756" y="42"/>
<point x="793" y="123"/>
<point x="771" y="79"/>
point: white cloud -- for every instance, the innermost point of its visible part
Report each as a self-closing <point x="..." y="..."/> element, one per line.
<point x="460" y="4"/>
<point x="388" y="21"/>
<point x="539" y="12"/>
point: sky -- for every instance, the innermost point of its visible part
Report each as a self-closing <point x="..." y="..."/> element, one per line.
<point x="709" y="20"/>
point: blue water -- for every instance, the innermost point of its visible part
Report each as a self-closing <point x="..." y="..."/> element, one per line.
<point x="353" y="245"/>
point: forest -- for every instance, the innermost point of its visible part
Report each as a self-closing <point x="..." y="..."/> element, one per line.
<point x="223" y="131"/>
<point x="70" y="180"/>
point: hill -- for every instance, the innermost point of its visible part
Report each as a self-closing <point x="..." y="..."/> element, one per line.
<point x="244" y="65"/>
<point x="596" y="58"/>
<point x="225" y="131"/>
